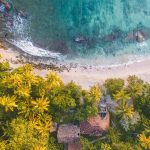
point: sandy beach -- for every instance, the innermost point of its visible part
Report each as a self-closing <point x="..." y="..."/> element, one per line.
<point x="86" y="77"/>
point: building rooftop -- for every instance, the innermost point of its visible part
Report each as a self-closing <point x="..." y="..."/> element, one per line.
<point x="68" y="134"/>
<point x="95" y="126"/>
<point x="74" y="146"/>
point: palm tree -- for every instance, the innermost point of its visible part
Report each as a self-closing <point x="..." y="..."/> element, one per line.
<point x="42" y="123"/>
<point x="40" y="105"/>
<point x="22" y="91"/>
<point x="144" y="140"/>
<point x="53" y="81"/>
<point x="124" y="110"/>
<point x="14" y="80"/>
<point x="121" y="96"/>
<point x="9" y="103"/>
<point x="95" y="94"/>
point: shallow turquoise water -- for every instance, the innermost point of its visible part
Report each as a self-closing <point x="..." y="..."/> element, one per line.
<point x="56" y="24"/>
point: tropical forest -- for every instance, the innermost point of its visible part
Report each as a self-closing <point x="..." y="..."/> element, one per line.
<point x="32" y="107"/>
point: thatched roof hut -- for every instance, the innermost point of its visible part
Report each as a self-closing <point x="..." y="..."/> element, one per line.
<point x="68" y="134"/>
<point x="95" y="126"/>
<point x="74" y="146"/>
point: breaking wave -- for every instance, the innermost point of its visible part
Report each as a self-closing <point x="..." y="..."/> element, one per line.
<point x="23" y="40"/>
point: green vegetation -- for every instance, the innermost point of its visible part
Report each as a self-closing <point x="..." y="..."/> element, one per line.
<point x="113" y="85"/>
<point x="30" y="106"/>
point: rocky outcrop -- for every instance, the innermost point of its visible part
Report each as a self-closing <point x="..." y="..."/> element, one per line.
<point x="139" y="36"/>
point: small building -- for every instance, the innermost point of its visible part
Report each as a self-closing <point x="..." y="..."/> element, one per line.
<point x="95" y="126"/>
<point x="74" y="146"/>
<point x="68" y="134"/>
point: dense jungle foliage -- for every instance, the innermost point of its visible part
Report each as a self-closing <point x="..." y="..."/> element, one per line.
<point x="30" y="106"/>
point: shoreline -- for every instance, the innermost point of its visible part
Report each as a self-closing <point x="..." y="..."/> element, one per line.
<point x="84" y="76"/>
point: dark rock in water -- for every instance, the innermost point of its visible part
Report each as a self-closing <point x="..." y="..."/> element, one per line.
<point x="137" y="36"/>
<point x="80" y="39"/>
<point x="140" y="36"/>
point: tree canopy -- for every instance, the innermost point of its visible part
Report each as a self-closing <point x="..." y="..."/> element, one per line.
<point x="31" y="106"/>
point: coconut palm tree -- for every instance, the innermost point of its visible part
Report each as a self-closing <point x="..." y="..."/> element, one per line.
<point x="9" y="103"/>
<point x="124" y="110"/>
<point x="42" y="123"/>
<point x="52" y="81"/>
<point x="121" y="96"/>
<point x="144" y="140"/>
<point x="40" y="105"/>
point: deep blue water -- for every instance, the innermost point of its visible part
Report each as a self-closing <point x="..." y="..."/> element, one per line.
<point x="82" y="28"/>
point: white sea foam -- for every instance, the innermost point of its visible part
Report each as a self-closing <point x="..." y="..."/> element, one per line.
<point x="23" y="41"/>
<point x="131" y="54"/>
<point x="29" y="48"/>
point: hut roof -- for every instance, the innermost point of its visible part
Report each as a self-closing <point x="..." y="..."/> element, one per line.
<point x="95" y="126"/>
<point x="68" y="134"/>
<point x="74" y="146"/>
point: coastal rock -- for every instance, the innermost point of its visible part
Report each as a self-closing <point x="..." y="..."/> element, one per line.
<point x="113" y="36"/>
<point x="137" y="36"/>
<point x="140" y="36"/>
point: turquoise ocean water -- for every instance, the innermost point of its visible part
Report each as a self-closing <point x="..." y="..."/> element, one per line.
<point x="92" y="30"/>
